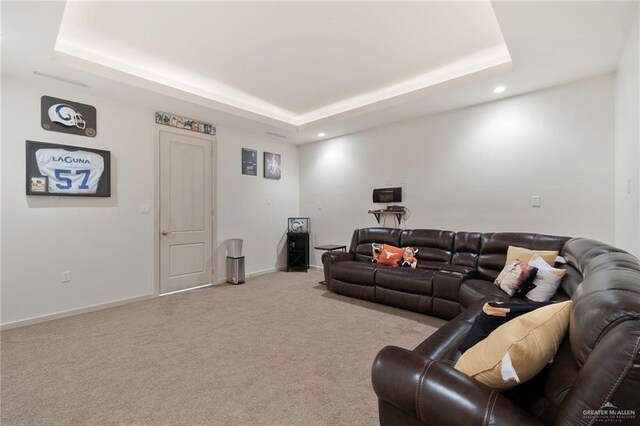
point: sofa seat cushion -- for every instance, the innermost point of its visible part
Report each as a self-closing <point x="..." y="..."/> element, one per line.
<point x="472" y="290"/>
<point x="440" y="266"/>
<point x="354" y="272"/>
<point x="428" y="264"/>
<point x="407" y="280"/>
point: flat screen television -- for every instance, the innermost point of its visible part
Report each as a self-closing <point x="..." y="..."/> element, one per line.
<point x="387" y="195"/>
<point x="66" y="170"/>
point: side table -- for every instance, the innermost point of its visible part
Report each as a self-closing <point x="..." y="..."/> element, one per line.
<point x="330" y="247"/>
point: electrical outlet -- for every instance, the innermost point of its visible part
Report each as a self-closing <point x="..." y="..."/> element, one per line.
<point x="66" y="277"/>
<point x="144" y="209"/>
<point x="268" y="201"/>
<point x="536" y="201"/>
<point x="403" y="180"/>
<point x="319" y="206"/>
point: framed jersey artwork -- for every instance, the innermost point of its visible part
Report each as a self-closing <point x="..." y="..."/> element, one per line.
<point x="54" y="169"/>
<point x="61" y="115"/>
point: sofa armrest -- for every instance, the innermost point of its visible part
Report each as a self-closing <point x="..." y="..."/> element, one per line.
<point x="331" y="257"/>
<point x="435" y="393"/>
<point x="336" y="256"/>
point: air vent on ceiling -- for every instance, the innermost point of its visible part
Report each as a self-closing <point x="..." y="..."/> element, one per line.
<point x="276" y="135"/>
<point x="63" y="79"/>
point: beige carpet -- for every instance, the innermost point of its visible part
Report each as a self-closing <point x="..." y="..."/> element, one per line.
<point x="279" y="349"/>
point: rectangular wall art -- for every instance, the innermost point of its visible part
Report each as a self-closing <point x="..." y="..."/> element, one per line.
<point x="272" y="166"/>
<point x="54" y="169"/>
<point x="249" y="162"/>
<point x="61" y="115"/>
<point x="185" y="123"/>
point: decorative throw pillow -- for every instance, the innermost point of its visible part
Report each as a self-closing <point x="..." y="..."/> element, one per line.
<point x="518" y="350"/>
<point x="390" y="255"/>
<point x="547" y="280"/>
<point x="514" y="275"/>
<point x="524" y="255"/>
<point x="493" y="315"/>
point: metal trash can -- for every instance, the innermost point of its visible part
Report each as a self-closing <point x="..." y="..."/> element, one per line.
<point x="235" y="261"/>
<point x="234" y="247"/>
<point x="235" y="270"/>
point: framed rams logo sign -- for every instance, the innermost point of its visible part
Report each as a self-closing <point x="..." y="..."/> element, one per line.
<point x="54" y="169"/>
<point x="61" y="115"/>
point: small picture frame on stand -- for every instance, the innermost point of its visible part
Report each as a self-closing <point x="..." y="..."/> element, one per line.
<point x="298" y="224"/>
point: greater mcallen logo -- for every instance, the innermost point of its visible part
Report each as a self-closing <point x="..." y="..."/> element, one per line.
<point x="609" y="413"/>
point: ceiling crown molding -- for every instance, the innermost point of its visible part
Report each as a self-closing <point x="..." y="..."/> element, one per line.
<point x="219" y="93"/>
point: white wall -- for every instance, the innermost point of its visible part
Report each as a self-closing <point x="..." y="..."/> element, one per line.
<point x="105" y="243"/>
<point x="627" y="145"/>
<point x="242" y="200"/>
<point x="476" y="168"/>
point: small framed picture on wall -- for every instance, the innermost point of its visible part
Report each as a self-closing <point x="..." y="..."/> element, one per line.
<point x="272" y="166"/>
<point x="249" y="162"/>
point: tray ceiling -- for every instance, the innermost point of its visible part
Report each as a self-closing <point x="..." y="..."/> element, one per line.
<point x="296" y="62"/>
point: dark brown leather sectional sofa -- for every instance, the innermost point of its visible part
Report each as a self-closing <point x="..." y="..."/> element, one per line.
<point x="597" y="367"/>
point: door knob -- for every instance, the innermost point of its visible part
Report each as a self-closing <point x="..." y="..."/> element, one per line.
<point x="165" y="233"/>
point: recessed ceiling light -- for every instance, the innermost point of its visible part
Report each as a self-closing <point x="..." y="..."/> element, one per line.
<point x="320" y="135"/>
<point x="499" y="89"/>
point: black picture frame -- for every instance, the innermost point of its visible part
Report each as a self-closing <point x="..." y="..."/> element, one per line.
<point x="65" y="116"/>
<point x="103" y="184"/>
<point x="249" y="162"/>
<point x="272" y="165"/>
<point x="291" y="227"/>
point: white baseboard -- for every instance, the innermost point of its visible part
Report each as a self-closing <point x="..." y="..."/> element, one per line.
<point x="257" y="273"/>
<point x="72" y="312"/>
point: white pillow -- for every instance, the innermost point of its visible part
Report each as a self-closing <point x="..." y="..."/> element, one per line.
<point x="547" y="280"/>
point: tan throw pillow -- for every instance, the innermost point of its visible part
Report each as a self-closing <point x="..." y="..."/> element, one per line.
<point x="524" y="255"/>
<point x="518" y="350"/>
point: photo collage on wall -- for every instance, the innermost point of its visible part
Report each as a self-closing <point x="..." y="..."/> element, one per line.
<point x="272" y="164"/>
<point x="185" y="123"/>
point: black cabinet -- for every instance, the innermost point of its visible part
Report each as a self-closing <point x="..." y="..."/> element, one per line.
<point x="297" y="251"/>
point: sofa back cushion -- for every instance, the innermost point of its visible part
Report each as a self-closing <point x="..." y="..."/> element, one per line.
<point x="494" y="246"/>
<point x="434" y="246"/>
<point x="597" y="366"/>
<point x="466" y="249"/>
<point x="363" y="238"/>
<point x="604" y="333"/>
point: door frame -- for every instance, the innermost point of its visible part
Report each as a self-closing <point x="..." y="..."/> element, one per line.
<point x="213" y="140"/>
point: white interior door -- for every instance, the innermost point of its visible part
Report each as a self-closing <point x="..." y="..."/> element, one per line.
<point x="186" y="258"/>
